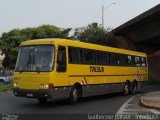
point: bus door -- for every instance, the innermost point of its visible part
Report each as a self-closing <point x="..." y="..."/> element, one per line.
<point x="61" y="66"/>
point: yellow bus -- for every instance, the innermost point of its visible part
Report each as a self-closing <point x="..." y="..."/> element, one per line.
<point x="60" y="68"/>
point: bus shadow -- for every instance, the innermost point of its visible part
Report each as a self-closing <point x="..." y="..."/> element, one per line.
<point x="101" y="97"/>
<point x="84" y="100"/>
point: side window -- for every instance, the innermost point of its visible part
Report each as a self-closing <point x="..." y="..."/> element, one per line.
<point x="129" y="60"/>
<point x="113" y="58"/>
<point x="117" y="59"/>
<point x="137" y="61"/>
<point x="102" y="58"/>
<point x="143" y="62"/>
<point x="89" y="56"/>
<point x="133" y="60"/>
<point x="74" y="55"/>
<point x="61" y="59"/>
<point x="122" y="59"/>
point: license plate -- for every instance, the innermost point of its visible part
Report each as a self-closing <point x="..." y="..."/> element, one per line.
<point x="29" y="95"/>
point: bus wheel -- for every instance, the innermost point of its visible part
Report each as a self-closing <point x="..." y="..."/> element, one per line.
<point x="73" y="98"/>
<point x="126" y="88"/>
<point x="42" y="100"/>
<point x="133" y="87"/>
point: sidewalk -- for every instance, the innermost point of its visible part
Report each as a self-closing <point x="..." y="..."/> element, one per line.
<point x="151" y="100"/>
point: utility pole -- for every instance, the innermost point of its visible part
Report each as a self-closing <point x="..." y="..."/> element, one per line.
<point x="103" y="13"/>
<point x="102" y="16"/>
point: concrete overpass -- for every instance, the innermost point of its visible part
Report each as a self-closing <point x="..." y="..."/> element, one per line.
<point x="142" y="33"/>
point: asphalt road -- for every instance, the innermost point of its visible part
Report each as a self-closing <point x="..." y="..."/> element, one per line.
<point x="104" y="104"/>
<point x="97" y="104"/>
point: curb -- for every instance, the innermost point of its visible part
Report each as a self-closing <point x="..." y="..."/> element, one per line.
<point x="148" y="105"/>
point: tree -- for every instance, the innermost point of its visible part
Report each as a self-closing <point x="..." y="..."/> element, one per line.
<point x="50" y="31"/>
<point x="9" y="45"/>
<point x="94" y="34"/>
<point x="10" y="41"/>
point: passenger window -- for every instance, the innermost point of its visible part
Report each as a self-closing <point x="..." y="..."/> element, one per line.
<point x="61" y="59"/>
<point x="74" y="55"/>
<point x="102" y="58"/>
<point x="117" y="59"/>
<point x="133" y="60"/>
<point x="137" y="61"/>
<point x="122" y="59"/>
<point x="129" y="60"/>
<point x="112" y="58"/>
<point x="89" y="56"/>
<point x="143" y="62"/>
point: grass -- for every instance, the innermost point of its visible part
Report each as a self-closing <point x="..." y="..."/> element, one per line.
<point x="5" y="87"/>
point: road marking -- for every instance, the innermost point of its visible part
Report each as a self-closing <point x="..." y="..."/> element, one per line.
<point x="126" y="110"/>
<point x="122" y="109"/>
<point x="155" y="111"/>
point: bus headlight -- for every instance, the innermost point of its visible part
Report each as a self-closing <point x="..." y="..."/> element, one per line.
<point x="44" y="86"/>
<point x="15" y="85"/>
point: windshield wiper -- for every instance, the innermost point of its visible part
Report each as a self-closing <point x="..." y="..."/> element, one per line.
<point x="31" y="61"/>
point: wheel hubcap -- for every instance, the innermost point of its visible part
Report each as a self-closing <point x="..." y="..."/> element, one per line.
<point x="75" y="95"/>
<point x="126" y="89"/>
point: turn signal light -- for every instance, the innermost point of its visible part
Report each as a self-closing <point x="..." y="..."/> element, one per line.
<point x="51" y="86"/>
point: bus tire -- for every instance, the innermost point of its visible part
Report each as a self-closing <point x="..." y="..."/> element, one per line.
<point x="42" y="100"/>
<point x="73" y="98"/>
<point x="126" y="88"/>
<point x="133" y="87"/>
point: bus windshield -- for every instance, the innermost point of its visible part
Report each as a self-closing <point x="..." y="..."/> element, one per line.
<point x="35" y="58"/>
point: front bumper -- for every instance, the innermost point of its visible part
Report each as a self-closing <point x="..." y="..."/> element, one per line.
<point x="56" y="93"/>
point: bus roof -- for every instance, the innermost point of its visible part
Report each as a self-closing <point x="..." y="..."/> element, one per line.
<point x="74" y="43"/>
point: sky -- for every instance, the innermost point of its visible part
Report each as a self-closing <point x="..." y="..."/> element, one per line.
<point x="69" y="13"/>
